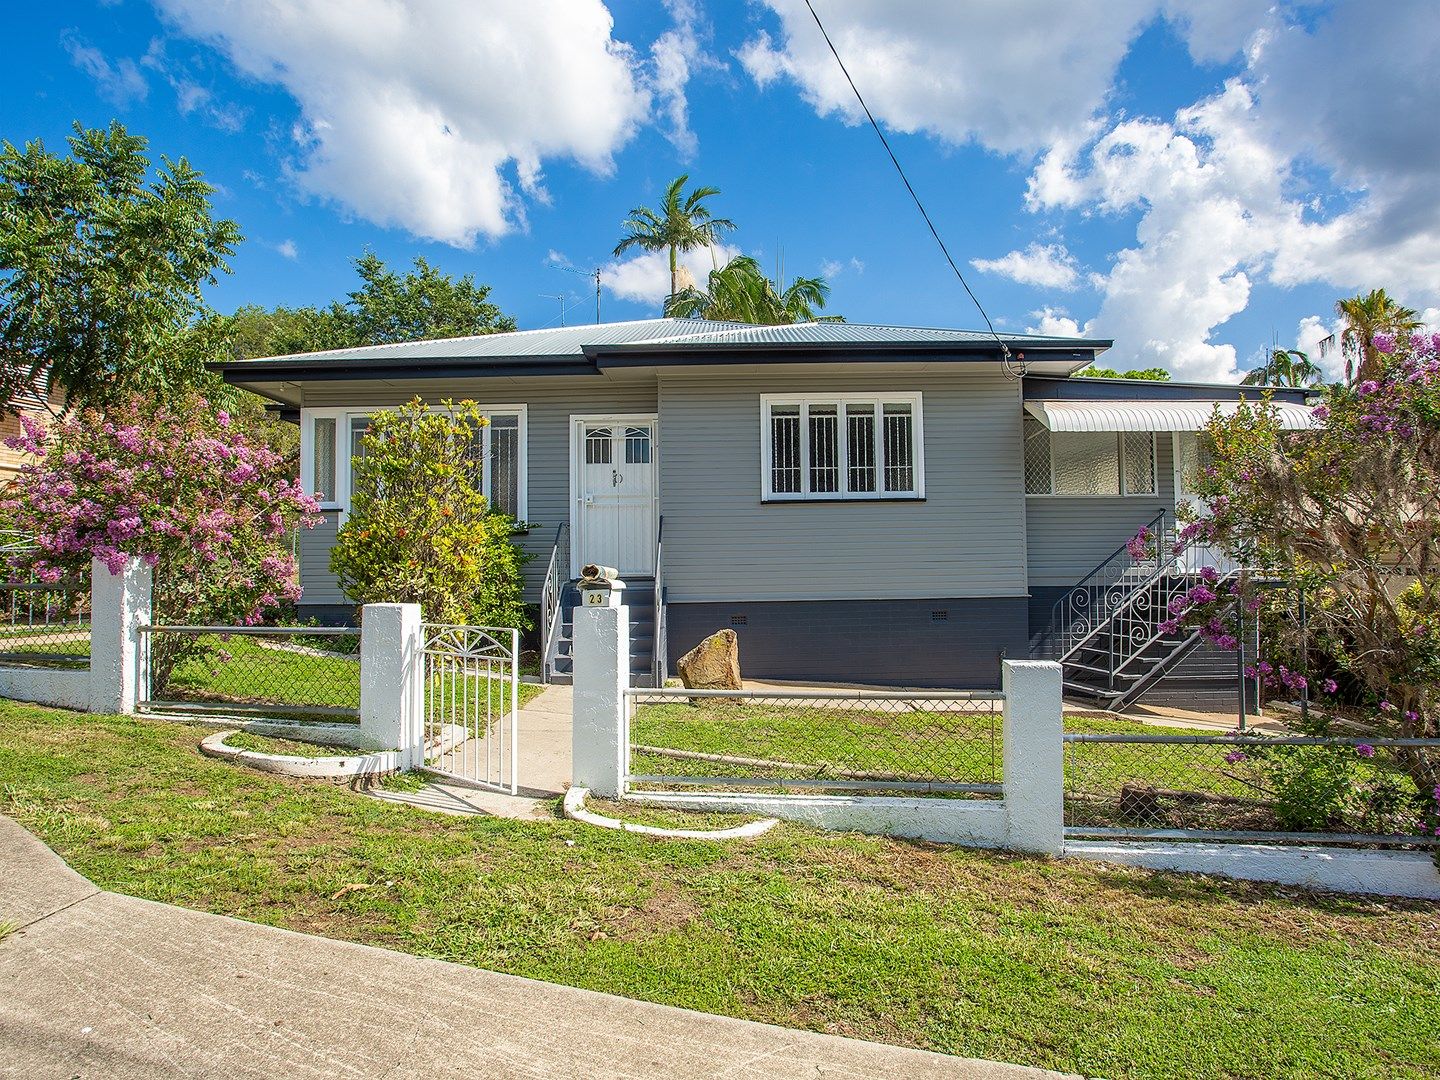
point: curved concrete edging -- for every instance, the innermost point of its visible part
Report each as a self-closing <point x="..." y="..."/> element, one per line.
<point x="328" y="767"/>
<point x="575" y="810"/>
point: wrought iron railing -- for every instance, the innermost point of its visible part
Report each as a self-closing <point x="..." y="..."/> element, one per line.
<point x="551" y="617"/>
<point x="1089" y="604"/>
<point x="659" y="667"/>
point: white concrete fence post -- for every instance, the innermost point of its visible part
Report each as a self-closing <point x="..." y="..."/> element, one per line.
<point x="600" y="732"/>
<point x="119" y="606"/>
<point x="392" y="680"/>
<point x="1034" y="754"/>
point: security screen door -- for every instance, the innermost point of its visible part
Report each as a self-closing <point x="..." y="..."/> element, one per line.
<point x="615" y="493"/>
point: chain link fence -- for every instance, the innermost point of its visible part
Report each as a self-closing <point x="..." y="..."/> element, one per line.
<point x="45" y="624"/>
<point x="302" y="671"/>
<point x="1316" y="789"/>
<point x="915" y="743"/>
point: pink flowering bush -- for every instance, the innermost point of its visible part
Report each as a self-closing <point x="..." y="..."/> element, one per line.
<point x="177" y="485"/>
<point x="1350" y="511"/>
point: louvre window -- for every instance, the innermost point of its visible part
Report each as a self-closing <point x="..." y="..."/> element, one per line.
<point x="845" y="448"/>
<point x="1088" y="463"/>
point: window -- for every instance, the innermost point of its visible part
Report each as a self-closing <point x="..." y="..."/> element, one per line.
<point x="324" y="485"/>
<point x="842" y="448"/>
<point x="497" y="452"/>
<point x="1088" y="462"/>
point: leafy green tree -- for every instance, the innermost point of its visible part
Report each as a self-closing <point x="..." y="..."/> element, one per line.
<point x="1151" y="374"/>
<point x="739" y="291"/>
<point x="101" y="269"/>
<point x="420" y="530"/>
<point x="418" y="305"/>
<point x="1286" y="367"/>
<point x="1366" y="315"/>
<point x="681" y="223"/>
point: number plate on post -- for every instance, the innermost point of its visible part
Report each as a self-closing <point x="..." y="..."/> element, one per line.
<point x="596" y="597"/>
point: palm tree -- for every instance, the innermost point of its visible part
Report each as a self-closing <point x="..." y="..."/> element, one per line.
<point x="739" y="291"/>
<point x="1286" y="367"/>
<point x="682" y="223"/>
<point x="1365" y="316"/>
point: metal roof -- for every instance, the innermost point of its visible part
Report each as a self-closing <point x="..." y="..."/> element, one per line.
<point x="847" y="333"/>
<point x="1152" y="415"/>
<point x="569" y="341"/>
<point x="572" y="342"/>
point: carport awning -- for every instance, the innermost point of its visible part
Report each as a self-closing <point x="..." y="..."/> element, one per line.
<point x="1150" y="415"/>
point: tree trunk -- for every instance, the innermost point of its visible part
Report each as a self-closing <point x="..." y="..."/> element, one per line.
<point x="674" y="273"/>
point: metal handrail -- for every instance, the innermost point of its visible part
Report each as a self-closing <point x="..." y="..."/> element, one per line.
<point x="660" y="645"/>
<point x="550" y="613"/>
<point x="1111" y="629"/>
<point x="1064" y="616"/>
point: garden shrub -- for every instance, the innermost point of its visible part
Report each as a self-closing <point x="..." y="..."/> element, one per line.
<point x="420" y="529"/>
<point x="178" y="485"/>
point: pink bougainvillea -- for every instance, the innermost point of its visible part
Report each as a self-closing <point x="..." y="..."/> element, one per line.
<point x="177" y="485"/>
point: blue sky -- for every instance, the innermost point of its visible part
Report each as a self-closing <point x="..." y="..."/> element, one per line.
<point x="1189" y="177"/>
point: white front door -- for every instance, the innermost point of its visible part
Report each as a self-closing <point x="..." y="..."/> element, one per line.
<point x="613" y="493"/>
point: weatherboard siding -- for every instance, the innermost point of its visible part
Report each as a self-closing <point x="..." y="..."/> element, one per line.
<point x="965" y="539"/>
<point x="1069" y="537"/>
<point x="549" y="402"/>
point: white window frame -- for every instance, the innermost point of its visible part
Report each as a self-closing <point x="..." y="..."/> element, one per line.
<point x="1124" y="492"/>
<point x="878" y="402"/>
<point x="340" y="499"/>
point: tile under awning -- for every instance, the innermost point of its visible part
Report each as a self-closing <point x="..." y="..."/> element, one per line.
<point x="1151" y="415"/>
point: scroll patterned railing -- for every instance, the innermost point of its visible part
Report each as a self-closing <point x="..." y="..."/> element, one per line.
<point x="472" y="705"/>
<point x="551" y="616"/>
<point x="1091" y="602"/>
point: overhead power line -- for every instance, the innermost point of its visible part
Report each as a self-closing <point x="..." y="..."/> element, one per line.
<point x="1004" y="349"/>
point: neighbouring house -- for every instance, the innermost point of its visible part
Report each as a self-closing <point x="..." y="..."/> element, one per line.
<point x="862" y="504"/>
<point x="39" y="402"/>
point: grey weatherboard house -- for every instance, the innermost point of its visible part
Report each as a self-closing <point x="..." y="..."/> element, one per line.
<point x="863" y="504"/>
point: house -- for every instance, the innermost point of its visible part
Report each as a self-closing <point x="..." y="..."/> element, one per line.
<point x="863" y="504"/>
<point x="39" y="402"/>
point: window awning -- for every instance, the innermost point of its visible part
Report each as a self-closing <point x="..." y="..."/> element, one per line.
<point x="1151" y="415"/>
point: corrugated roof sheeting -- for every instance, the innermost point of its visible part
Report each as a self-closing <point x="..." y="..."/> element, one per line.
<point x="574" y="340"/>
<point x="1151" y="415"/>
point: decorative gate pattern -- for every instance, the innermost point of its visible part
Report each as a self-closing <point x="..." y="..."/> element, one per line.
<point x="472" y="701"/>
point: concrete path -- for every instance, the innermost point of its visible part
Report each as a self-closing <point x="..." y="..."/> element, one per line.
<point x="94" y="984"/>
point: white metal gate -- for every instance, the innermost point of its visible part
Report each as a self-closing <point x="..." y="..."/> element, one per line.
<point x="472" y="704"/>
<point x="615" y="494"/>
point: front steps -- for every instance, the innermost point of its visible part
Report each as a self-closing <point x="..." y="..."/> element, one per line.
<point x="639" y="600"/>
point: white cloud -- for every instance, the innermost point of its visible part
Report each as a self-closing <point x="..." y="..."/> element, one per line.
<point x="645" y="278"/>
<point x="675" y="56"/>
<point x="1307" y="168"/>
<point x="436" y="116"/>
<point x="983" y="69"/>
<point x="1055" y="322"/>
<point x="833" y="268"/>
<point x="287" y="249"/>
<point x="1048" y="266"/>
<point x="121" y="83"/>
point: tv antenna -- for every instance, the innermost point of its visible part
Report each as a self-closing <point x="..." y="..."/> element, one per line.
<point x="564" y="299"/>
<point x="593" y="275"/>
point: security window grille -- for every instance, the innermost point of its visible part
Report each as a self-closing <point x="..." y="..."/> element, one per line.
<point x="842" y="449"/>
<point x="1088" y="463"/>
<point x="597" y="446"/>
<point x="637" y="446"/>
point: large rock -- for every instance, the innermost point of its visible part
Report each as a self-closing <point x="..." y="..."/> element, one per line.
<point x="714" y="664"/>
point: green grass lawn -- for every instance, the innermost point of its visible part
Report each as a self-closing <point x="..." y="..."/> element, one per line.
<point x="271" y="744"/>
<point x="1074" y="966"/>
